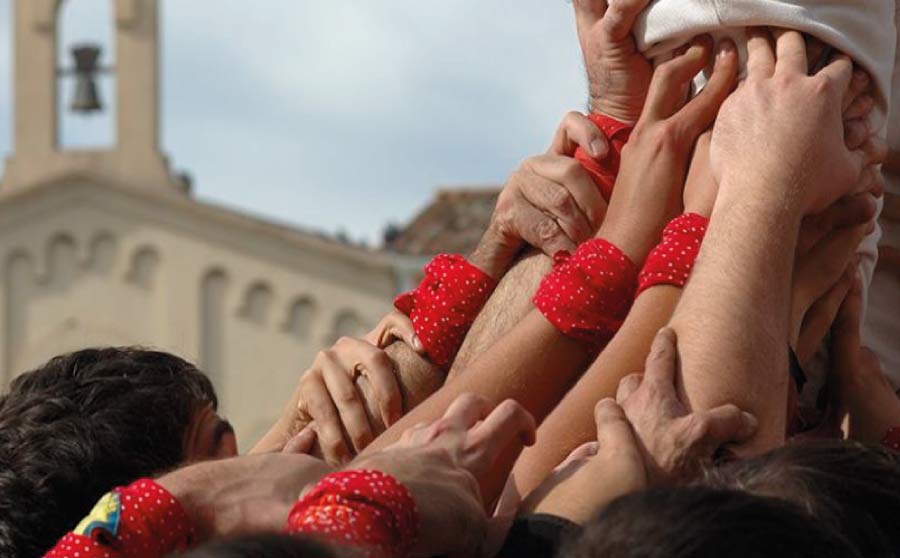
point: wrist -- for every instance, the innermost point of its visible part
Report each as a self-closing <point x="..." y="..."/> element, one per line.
<point x="627" y="111"/>
<point x="493" y="255"/>
<point x="632" y="237"/>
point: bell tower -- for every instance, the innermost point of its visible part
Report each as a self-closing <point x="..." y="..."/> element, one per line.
<point x="135" y="159"/>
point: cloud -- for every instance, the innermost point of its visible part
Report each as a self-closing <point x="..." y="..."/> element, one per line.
<point x="348" y="114"/>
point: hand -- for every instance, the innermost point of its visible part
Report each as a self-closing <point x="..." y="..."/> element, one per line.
<point x="825" y="266"/>
<point x="595" y="473"/>
<point x="676" y="443"/>
<point x="618" y="75"/>
<point x="783" y="128"/>
<point x="338" y="407"/>
<point x="649" y="188"/>
<point x="550" y="202"/>
<point x="251" y="494"/>
<point x="861" y="395"/>
<point x="701" y="188"/>
<point x="441" y="462"/>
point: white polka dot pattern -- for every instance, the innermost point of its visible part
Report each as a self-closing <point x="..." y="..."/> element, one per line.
<point x="588" y="294"/>
<point x="671" y="262"/>
<point x="445" y="304"/>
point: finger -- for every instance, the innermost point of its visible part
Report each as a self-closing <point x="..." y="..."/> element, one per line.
<point x="613" y="428"/>
<point x="620" y="16"/>
<point x="348" y="402"/>
<point x="589" y="12"/>
<point x="760" y="54"/>
<point x="574" y="180"/>
<point x="327" y="423"/>
<point x="819" y="270"/>
<point x="839" y="72"/>
<point x="856" y="132"/>
<point x="874" y="151"/>
<point x="790" y="52"/>
<point x="859" y="86"/>
<point x="821" y="315"/>
<point x="387" y="393"/>
<point x="302" y="442"/>
<point x="849" y="211"/>
<point x="466" y="410"/>
<point x="541" y="231"/>
<point x="576" y="130"/>
<point x="506" y="426"/>
<point x="668" y="86"/>
<point x="662" y="360"/>
<point x="860" y="107"/>
<point x="379" y="370"/>
<point x="627" y="387"/>
<point x="396" y="326"/>
<point x="714" y="428"/>
<point x="700" y="113"/>
<point x="847" y="325"/>
<point x="555" y="200"/>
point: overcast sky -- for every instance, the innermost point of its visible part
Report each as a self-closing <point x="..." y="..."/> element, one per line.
<point x="345" y="114"/>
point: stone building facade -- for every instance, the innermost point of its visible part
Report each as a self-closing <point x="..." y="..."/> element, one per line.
<point x="106" y="247"/>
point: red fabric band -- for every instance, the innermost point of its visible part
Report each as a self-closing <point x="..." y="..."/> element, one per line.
<point x="671" y="262"/>
<point x="141" y="520"/>
<point x="368" y="510"/>
<point x="891" y="440"/>
<point x="445" y="304"/>
<point x="605" y="171"/>
<point x="588" y="294"/>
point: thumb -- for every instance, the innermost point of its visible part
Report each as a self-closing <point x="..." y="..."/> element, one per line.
<point x="302" y="442"/>
<point x="726" y="424"/>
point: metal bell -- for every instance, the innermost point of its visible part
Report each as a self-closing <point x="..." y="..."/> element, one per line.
<point x="87" y="96"/>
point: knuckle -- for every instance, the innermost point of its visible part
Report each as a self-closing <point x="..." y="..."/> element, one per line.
<point x="547" y="229"/>
<point x="344" y="397"/>
<point x="697" y="428"/>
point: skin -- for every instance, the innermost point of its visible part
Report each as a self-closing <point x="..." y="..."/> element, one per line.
<point x="778" y="140"/>
<point x="440" y="463"/>
<point x="516" y="366"/>
<point x="645" y="437"/>
<point x="209" y="436"/>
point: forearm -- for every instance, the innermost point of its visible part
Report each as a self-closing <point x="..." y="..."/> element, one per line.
<point x="571" y="423"/>
<point x="509" y="304"/>
<point x="732" y="321"/>
<point x="533" y="364"/>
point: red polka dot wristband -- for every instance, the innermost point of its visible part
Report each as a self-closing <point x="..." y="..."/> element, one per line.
<point x="605" y="171"/>
<point x="671" y="262"/>
<point x="141" y="520"/>
<point x="588" y="294"/>
<point x="891" y="440"/>
<point x="368" y="510"/>
<point x="445" y="304"/>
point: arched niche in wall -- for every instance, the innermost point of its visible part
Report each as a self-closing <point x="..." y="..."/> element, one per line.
<point x="144" y="267"/>
<point x="257" y="302"/>
<point x="213" y="299"/>
<point x="102" y="252"/>
<point x="347" y="323"/>
<point x="62" y="261"/>
<point x="19" y="280"/>
<point x="300" y="317"/>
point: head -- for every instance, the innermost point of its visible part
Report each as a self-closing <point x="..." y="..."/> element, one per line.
<point x="268" y="545"/>
<point x="702" y="522"/>
<point x="848" y="487"/>
<point x="86" y="422"/>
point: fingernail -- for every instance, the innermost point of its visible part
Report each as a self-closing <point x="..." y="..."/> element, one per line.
<point x="598" y="149"/>
<point x="750" y="424"/>
<point x="417" y="345"/>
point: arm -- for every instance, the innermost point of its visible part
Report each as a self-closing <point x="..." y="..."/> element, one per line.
<point x="777" y="153"/>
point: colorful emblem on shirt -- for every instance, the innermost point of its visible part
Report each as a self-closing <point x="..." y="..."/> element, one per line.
<point x="104" y="516"/>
